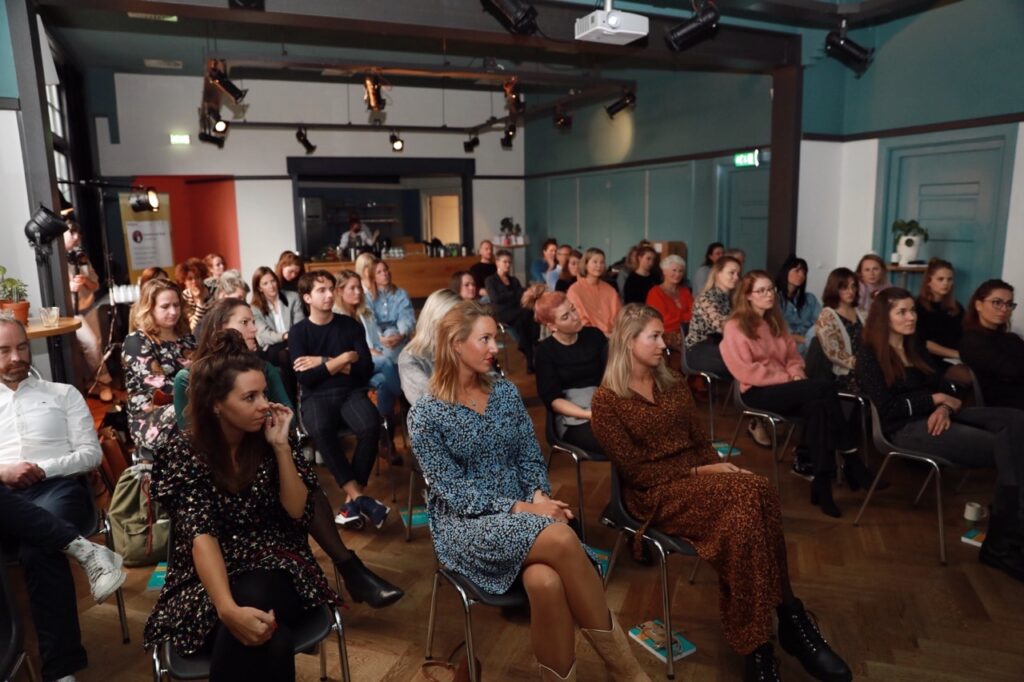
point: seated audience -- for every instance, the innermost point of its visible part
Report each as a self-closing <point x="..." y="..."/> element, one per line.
<point x="362" y="583"/>
<point x="872" y="273"/>
<point x="673" y="480"/>
<point x="840" y="327"/>
<point x="505" y="294"/>
<point x="714" y="251"/>
<point x="940" y="318"/>
<point x="47" y="441"/>
<point x="673" y="300"/>
<point x="990" y="348"/>
<point x="334" y="366"/>
<point x="416" y="361"/>
<point x="570" y="274"/>
<point x="276" y="311"/>
<point x="710" y="311"/>
<point x="546" y="264"/>
<point x="83" y="281"/>
<point x="290" y="267"/>
<point x="231" y="284"/>
<point x="643" y="278"/>
<point x="623" y="268"/>
<point x="239" y="497"/>
<point x="918" y="410"/>
<point x="596" y="301"/>
<point x="152" y="272"/>
<point x="486" y="267"/>
<point x="800" y="309"/>
<point x="739" y="254"/>
<point x="390" y="304"/>
<point x="152" y="356"/>
<point x="463" y="284"/>
<point x="196" y="298"/>
<point x="491" y="514"/>
<point x="569" y="364"/>
<point x="349" y="300"/>
<point x="215" y="267"/>
<point x="561" y="263"/>
<point x="762" y="356"/>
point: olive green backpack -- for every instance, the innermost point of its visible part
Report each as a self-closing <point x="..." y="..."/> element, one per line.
<point x="139" y="529"/>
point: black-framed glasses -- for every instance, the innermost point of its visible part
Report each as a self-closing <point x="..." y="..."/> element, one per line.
<point x="763" y="291"/>
<point x="1000" y="304"/>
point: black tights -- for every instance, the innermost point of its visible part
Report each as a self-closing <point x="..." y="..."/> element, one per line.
<point x="323" y="530"/>
<point x="274" y="661"/>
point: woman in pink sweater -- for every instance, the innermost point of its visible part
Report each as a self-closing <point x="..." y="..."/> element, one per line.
<point x="596" y="301"/>
<point x="762" y="356"/>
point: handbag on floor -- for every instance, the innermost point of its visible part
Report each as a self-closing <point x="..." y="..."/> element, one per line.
<point x="139" y="529"/>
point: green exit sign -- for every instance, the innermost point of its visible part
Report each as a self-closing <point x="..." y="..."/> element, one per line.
<point x="747" y="159"/>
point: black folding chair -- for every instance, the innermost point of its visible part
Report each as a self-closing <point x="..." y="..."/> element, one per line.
<point x="12" y="632"/>
<point x="578" y="456"/>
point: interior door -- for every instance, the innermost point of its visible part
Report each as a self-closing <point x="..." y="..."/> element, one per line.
<point x="444" y="218"/>
<point x="743" y="214"/>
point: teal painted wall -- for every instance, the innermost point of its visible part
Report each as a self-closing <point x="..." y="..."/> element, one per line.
<point x="8" y="79"/>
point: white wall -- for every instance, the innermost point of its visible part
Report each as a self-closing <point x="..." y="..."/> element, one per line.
<point x="1013" y="268"/>
<point x="149" y="108"/>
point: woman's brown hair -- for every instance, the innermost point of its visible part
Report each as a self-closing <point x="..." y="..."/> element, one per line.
<point x="142" y="312"/>
<point x="924" y="298"/>
<point x="210" y="257"/>
<point x="971" y="319"/>
<point x="211" y="379"/>
<point x="456" y="325"/>
<point x="837" y="279"/>
<point x="152" y="272"/>
<point x="215" y="319"/>
<point x="196" y="268"/>
<point x="259" y="301"/>
<point x="744" y="313"/>
<point x="876" y="336"/>
<point x="877" y="259"/>
<point x="284" y="260"/>
<point x="565" y="274"/>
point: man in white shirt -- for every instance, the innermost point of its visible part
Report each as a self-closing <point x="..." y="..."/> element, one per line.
<point x="47" y="440"/>
<point x="356" y="235"/>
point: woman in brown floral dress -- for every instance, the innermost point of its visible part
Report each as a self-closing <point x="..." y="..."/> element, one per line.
<point x="240" y="502"/>
<point x="673" y="479"/>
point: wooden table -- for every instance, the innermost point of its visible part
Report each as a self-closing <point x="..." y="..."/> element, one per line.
<point x="420" y="276"/>
<point x="905" y="270"/>
<point x="65" y="325"/>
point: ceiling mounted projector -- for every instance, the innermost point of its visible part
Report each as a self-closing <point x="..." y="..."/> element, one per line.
<point x="611" y="27"/>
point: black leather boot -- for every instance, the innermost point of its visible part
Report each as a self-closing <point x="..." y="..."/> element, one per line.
<point x="366" y="586"/>
<point x="800" y="637"/>
<point x="1001" y="549"/>
<point x="821" y="496"/>
<point x="761" y="665"/>
<point x="857" y="475"/>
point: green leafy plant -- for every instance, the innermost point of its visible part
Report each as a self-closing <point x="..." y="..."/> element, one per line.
<point x="13" y="290"/>
<point x="509" y="227"/>
<point x="908" y="228"/>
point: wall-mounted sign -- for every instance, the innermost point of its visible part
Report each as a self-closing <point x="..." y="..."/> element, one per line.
<point x="747" y="159"/>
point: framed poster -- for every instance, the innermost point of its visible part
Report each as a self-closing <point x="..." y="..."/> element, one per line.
<point x="147" y="236"/>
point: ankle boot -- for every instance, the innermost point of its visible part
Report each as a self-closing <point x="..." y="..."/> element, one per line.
<point x="857" y="475"/>
<point x="821" y="496"/>
<point x="366" y="586"/>
<point x="800" y="637"/>
<point x="1000" y="550"/>
<point x="761" y="665"/>
<point x="613" y="648"/>
<point x="549" y="675"/>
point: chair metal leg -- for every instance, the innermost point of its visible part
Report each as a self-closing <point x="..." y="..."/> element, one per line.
<point x="412" y="490"/>
<point x="433" y="613"/>
<point x="108" y="539"/>
<point x="711" y="407"/>
<point x="323" y="661"/>
<point x="614" y="557"/>
<point x="337" y="579"/>
<point x="785" y="446"/>
<point x="339" y="632"/>
<point x="693" y="573"/>
<point x="579" y="498"/>
<point x="871" y="490"/>
<point x="666" y="607"/>
<point x="470" y="653"/>
<point x="775" y="453"/>
<point x="924" y="486"/>
<point x="736" y="433"/>
<point x="158" y="668"/>
<point x="938" y="512"/>
<point x="963" y="481"/>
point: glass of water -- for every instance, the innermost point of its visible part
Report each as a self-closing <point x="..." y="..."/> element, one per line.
<point x="49" y="316"/>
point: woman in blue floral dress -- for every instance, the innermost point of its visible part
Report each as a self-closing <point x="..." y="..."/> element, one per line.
<point x="491" y="514"/>
<point x="159" y="347"/>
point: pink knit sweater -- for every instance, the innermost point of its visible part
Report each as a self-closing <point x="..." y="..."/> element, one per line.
<point x="764" y="361"/>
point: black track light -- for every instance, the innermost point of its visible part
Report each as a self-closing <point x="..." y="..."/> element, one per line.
<point x="628" y="99"/>
<point x="144" y="199"/>
<point x="397" y="143"/>
<point x="517" y="16"/>
<point x="374" y="100"/>
<point x="562" y="120"/>
<point x="701" y="25"/>
<point x="208" y="131"/>
<point x="300" y="135"/>
<point x="840" y="47"/>
<point x="217" y="124"/>
<point x="221" y="80"/>
<point x="508" y="136"/>
<point x="210" y="138"/>
<point x="472" y="143"/>
<point x="44" y="226"/>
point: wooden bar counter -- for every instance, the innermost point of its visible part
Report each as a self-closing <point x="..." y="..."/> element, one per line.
<point x="419" y="275"/>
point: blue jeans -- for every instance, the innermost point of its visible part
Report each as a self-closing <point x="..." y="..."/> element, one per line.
<point x="385" y="381"/>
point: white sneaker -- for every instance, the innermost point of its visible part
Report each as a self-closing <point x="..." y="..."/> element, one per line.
<point x="101" y="566"/>
<point x="66" y="678"/>
<point x="759" y="433"/>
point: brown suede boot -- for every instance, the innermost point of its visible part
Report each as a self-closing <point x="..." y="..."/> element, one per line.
<point x="613" y="648"/>
<point x="549" y="675"/>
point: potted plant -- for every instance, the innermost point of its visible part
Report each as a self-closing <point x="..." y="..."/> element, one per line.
<point x="908" y="235"/>
<point x="14" y="293"/>
<point x="510" y="231"/>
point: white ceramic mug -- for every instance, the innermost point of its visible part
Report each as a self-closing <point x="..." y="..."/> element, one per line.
<point x="973" y="511"/>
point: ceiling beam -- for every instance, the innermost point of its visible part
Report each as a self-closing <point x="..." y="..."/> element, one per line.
<point x="818" y="13"/>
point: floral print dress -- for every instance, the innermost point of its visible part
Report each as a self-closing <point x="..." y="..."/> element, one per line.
<point x="252" y="528"/>
<point x="151" y="365"/>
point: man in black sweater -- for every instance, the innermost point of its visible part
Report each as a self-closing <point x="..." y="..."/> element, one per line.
<point x="333" y="365"/>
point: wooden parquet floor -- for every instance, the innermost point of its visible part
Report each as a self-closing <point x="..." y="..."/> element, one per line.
<point x="881" y="596"/>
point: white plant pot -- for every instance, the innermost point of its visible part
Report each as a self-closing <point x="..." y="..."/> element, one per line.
<point x="907" y="248"/>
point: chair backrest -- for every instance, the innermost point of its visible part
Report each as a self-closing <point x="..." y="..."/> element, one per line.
<point x="12" y="634"/>
<point x="979" y="399"/>
<point x="618" y="507"/>
<point x="882" y="443"/>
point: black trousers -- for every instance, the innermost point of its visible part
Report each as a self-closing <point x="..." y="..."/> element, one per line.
<point x="815" y="400"/>
<point x="324" y="414"/>
<point x="582" y="436"/>
<point x="707" y="357"/>
<point x="277" y="355"/>
<point x="273" y="661"/>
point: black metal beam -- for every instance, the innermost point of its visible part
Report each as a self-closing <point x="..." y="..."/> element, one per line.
<point x="784" y="178"/>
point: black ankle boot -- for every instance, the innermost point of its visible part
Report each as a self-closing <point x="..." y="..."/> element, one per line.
<point x="857" y="475"/>
<point x="1002" y="549"/>
<point x="800" y="637"/>
<point x="366" y="586"/>
<point x="821" y="496"/>
<point x="761" y="665"/>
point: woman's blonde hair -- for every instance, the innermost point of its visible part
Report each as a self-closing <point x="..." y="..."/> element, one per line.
<point x="747" y="317"/>
<point x="142" y="312"/>
<point x="436" y="306"/>
<point x="456" y="325"/>
<point x="364" y="261"/>
<point x="361" y="310"/>
<point x="717" y="268"/>
<point x="632" y="320"/>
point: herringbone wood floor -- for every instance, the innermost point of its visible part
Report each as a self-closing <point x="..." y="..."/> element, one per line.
<point x="882" y="598"/>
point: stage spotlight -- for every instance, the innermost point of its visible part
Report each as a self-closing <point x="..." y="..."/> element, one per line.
<point x="221" y="80"/>
<point x="628" y="99"/>
<point x="218" y="125"/>
<point x="517" y="16"/>
<point x="562" y="120"/>
<point x="510" y="133"/>
<point x="208" y="132"/>
<point x="515" y="101"/>
<point x="397" y="143"/>
<point x="701" y="25"/>
<point x="374" y="100"/>
<point x="472" y="143"/>
<point x="43" y="227"/>
<point x="144" y="199"/>
<point x="210" y="138"/>
<point x="300" y="135"/>
<point x="841" y="48"/>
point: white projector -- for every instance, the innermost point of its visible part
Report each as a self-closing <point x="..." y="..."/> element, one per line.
<point x="611" y="26"/>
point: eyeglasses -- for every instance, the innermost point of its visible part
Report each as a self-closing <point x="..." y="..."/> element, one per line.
<point x="764" y="291"/>
<point x="1000" y="304"/>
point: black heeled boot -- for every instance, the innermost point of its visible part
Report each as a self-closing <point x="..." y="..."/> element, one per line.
<point x="366" y="586"/>
<point x="761" y="665"/>
<point x="1002" y="547"/>
<point x="800" y="637"/>
<point x="821" y="496"/>
<point x="857" y="475"/>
